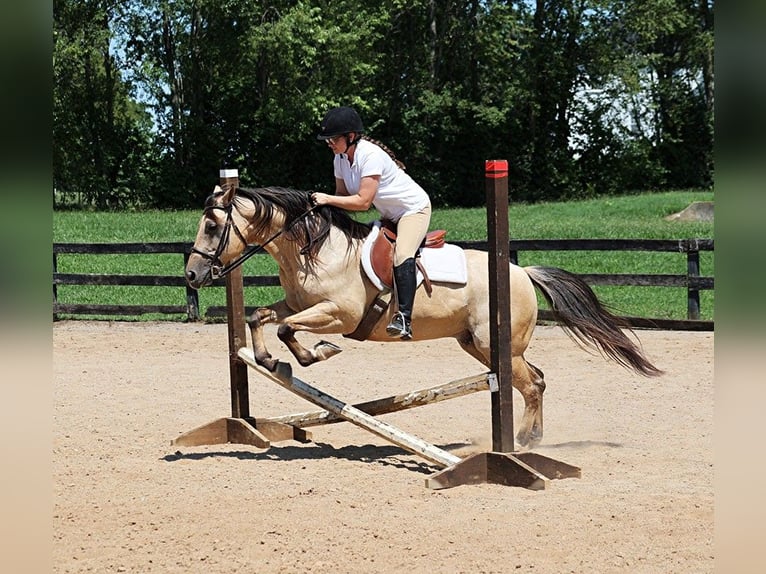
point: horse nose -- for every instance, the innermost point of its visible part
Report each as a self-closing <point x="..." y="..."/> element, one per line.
<point x="190" y="275"/>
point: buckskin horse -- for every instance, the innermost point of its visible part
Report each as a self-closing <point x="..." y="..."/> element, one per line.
<point x="319" y="250"/>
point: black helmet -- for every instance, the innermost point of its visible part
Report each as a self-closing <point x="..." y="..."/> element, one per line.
<point x="340" y="121"/>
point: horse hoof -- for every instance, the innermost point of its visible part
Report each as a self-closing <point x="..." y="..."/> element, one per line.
<point x="283" y="371"/>
<point x="266" y="362"/>
<point x="534" y="441"/>
<point x="528" y="441"/>
<point x="270" y="365"/>
<point x="323" y="350"/>
<point x="524" y="440"/>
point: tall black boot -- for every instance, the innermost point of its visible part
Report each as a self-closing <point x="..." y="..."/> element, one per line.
<point x="405" y="277"/>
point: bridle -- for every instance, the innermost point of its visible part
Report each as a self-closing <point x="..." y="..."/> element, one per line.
<point x="217" y="267"/>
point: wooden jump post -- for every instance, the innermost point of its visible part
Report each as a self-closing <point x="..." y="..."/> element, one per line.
<point x="240" y="427"/>
<point x="503" y="465"/>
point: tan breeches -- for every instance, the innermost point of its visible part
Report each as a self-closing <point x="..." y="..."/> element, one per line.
<point x="410" y="232"/>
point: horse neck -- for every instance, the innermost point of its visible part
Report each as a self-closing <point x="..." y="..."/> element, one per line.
<point x="285" y="252"/>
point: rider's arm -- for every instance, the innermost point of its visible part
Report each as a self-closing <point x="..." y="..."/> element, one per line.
<point x="361" y="201"/>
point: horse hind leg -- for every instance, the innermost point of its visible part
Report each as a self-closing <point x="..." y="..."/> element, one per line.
<point x="467" y="343"/>
<point x="530" y="382"/>
<point x="528" y="379"/>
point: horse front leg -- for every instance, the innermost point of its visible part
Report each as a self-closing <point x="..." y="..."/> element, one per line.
<point x="321" y="318"/>
<point x="257" y="320"/>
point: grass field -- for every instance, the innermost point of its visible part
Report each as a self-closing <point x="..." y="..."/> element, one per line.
<point x="634" y="216"/>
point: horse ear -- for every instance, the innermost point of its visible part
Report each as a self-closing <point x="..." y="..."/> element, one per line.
<point x="217" y="189"/>
<point x="228" y="196"/>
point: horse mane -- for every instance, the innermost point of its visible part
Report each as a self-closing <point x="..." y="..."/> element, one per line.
<point x="309" y="230"/>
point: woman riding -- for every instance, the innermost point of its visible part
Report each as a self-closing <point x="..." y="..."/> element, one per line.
<point x="367" y="173"/>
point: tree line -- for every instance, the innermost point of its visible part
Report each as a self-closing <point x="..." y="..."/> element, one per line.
<point x="583" y="97"/>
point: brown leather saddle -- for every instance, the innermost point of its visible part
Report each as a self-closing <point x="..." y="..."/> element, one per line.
<point x="382" y="253"/>
<point x="382" y="260"/>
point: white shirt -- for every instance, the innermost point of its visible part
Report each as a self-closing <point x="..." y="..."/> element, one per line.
<point x="397" y="194"/>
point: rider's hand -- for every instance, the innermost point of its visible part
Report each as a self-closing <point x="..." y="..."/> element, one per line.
<point x="318" y="198"/>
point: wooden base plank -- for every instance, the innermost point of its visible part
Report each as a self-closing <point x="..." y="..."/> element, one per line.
<point x="528" y="470"/>
<point x="551" y="468"/>
<point x="240" y="431"/>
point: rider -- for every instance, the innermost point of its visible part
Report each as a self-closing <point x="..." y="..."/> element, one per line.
<point x="367" y="173"/>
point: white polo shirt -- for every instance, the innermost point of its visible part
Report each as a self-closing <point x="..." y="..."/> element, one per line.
<point x="397" y="195"/>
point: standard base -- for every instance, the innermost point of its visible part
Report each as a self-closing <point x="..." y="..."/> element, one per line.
<point x="241" y="431"/>
<point x="526" y="469"/>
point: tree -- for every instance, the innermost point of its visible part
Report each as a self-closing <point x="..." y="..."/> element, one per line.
<point x="583" y="97"/>
<point x="100" y="134"/>
<point x="651" y="120"/>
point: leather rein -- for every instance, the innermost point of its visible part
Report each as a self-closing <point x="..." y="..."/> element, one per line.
<point x="217" y="267"/>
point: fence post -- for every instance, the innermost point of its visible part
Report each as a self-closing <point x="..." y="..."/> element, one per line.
<point x="692" y="295"/>
<point x="55" y="287"/>
<point x="192" y="297"/>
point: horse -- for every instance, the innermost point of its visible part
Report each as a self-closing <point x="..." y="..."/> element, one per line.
<point x="318" y="251"/>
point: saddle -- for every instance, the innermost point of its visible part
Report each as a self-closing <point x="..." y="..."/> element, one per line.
<point x="446" y="263"/>
<point x="382" y="253"/>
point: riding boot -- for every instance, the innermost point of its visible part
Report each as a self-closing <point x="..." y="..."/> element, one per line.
<point x="405" y="277"/>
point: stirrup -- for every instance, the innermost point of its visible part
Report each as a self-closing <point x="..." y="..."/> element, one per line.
<point x="399" y="327"/>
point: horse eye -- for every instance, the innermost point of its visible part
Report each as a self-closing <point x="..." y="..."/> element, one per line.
<point x="210" y="227"/>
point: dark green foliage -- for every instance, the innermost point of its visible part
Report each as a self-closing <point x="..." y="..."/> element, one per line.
<point x="583" y="97"/>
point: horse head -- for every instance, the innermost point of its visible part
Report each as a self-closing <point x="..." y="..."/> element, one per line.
<point x="215" y="245"/>
<point x="228" y="224"/>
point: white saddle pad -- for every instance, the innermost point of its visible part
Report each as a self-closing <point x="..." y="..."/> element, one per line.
<point x="443" y="264"/>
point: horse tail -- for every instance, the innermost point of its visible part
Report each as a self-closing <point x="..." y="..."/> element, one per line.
<point x="586" y="320"/>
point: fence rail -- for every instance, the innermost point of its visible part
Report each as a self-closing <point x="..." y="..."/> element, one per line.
<point x="692" y="280"/>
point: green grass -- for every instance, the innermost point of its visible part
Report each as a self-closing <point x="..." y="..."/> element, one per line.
<point x="635" y="216"/>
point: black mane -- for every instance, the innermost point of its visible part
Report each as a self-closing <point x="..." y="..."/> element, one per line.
<point x="310" y="231"/>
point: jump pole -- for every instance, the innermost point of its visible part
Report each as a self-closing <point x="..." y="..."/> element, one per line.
<point x="391" y="404"/>
<point x="503" y="465"/>
<point x="283" y="376"/>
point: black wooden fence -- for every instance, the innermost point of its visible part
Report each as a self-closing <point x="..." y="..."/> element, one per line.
<point x="691" y="280"/>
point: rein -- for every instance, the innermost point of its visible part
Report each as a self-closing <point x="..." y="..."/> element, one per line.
<point x="218" y="269"/>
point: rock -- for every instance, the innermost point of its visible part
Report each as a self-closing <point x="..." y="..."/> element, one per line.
<point x="696" y="211"/>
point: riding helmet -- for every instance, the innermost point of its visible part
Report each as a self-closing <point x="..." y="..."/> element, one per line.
<point x="340" y="121"/>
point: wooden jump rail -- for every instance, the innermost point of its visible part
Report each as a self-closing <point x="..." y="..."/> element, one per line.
<point x="392" y="404"/>
<point x="692" y="280"/>
<point x="527" y="469"/>
<point x="284" y="377"/>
